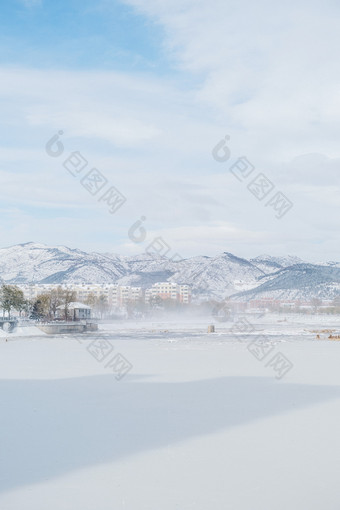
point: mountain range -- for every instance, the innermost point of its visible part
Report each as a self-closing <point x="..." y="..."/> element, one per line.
<point x="219" y="276"/>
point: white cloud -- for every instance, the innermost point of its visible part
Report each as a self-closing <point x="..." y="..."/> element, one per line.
<point x="270" y="70"/>
<point x="267" y="75"/>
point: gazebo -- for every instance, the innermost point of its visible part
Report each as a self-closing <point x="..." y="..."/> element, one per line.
<point x="75" y="311"/>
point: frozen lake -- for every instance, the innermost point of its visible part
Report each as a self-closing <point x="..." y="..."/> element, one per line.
<point x="239" y="419"/>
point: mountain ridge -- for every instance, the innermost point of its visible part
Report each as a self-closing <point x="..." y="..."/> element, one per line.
<point x="220" y="276"/>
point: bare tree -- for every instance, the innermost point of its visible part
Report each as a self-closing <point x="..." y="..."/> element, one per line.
<point x="57" y="297"/>
<point x="316" y="302"/>
<point x="69" y="297"/>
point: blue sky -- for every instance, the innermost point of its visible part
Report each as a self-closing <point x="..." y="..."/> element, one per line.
<point x="78" y="34"/>
<point x="144" y="90"/>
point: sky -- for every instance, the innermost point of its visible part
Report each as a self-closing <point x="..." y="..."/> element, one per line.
<point x="143" y="92"/>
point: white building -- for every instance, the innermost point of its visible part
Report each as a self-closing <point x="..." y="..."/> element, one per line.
<point x="75" y="311"/>
<point x="115" y="295"/>
<point x="169" y="290"/>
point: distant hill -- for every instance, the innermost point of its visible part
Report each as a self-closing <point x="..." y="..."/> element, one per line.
<point x="220" y="276"/>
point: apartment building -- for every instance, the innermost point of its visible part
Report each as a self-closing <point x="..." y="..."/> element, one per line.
<point x="184" y="294"/>
<point x="128" y="294"/>
<point x="116" y="295"/>
<point x="169" y="290"/>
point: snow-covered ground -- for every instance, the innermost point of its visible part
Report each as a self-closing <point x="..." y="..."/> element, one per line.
<point x="200" y="421"/>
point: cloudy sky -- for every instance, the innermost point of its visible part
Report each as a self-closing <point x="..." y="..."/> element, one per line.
<point x="143" y="91"/>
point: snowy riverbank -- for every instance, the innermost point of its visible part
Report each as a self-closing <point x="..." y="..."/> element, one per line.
<point x="198" y="422"/>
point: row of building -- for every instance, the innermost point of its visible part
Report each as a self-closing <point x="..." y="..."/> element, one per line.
<point x="115" y="295"/>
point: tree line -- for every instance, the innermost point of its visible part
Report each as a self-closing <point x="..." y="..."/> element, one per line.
<point x="45" y="305"/>
<point x="11" y="297"/>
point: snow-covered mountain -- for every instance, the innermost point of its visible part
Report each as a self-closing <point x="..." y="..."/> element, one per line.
<point x="300" y="281"/>
<point x="38" y="263"/>
<point x="220" y="276"/>
<point x="268" y="263"/>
